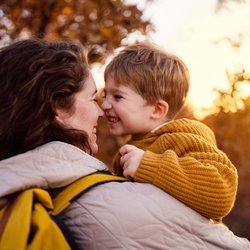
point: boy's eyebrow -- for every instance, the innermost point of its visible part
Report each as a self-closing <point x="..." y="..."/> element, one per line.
<point x="115" y="90"/>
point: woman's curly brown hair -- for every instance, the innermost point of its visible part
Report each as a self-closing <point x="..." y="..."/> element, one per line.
<point x="36" y="76"/>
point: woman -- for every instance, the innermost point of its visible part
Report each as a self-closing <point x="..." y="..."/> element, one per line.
<point x="48" y="126"/>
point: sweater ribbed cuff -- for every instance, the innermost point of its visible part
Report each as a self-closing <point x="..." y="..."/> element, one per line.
<point x="148" y="167"/>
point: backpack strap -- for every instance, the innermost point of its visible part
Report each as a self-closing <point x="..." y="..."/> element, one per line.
<point x="64" y="198"/>
<point x="6" y="214"/>
<point x="29" y="223"/>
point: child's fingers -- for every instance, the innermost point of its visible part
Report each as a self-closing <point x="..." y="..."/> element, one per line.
<point x="122" y="160"/>
<point x="128" y="170"/>
<point x="126" y="173"/>
<point x="126" y="149"/>
<point x="125" y="158"/>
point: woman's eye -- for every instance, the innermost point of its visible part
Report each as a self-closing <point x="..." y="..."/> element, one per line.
<point x="94" y="99"/>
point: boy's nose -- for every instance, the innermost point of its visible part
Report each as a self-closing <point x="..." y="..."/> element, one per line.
<point x="106" y="104"/>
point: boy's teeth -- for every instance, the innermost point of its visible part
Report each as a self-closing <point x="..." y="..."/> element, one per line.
<point x="113" y="119"/>
<point x="94" y="131"/>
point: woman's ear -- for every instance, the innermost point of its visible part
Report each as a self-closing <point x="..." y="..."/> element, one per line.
<point x="160" y="110"/>
<point x="60" y="115"/>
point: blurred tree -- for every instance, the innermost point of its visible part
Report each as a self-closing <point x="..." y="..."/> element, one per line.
<point x="231" y="124"/>
<point x="230" y="120"/>
<point x="234" y="99"/>
<point x="101" y="25"/>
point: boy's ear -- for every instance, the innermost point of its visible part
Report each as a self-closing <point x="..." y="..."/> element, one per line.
<point x="160" y="110"/>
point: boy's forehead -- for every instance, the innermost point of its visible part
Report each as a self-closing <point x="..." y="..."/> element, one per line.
<point x="114" y="83"/>
<point x="121" y="88"/>
<point x="113" y="87"/>
<point x="111" y="83"/>
<point x="118" y="81"/>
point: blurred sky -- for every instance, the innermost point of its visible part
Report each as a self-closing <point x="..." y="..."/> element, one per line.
<point x="200" y="36"/>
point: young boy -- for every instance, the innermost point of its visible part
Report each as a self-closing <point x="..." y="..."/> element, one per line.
<point x="145" y="87"/>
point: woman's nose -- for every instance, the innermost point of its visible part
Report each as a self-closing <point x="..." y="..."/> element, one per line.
<point x="100" y="111"/>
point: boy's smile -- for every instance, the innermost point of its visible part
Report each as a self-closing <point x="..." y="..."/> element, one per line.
<point x="126" y="111"/>
<point x="112" y="120"/>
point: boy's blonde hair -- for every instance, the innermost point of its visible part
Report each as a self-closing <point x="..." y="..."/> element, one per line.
<point x="153" y="73"/>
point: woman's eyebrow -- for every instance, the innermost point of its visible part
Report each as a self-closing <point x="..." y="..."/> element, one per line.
<point x="94" y="93"/>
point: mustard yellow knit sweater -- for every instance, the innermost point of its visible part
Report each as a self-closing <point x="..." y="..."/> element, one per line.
<point x="182" y="158"/>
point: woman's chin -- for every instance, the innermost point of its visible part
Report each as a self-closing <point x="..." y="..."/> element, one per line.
<point x="94" y="148"/>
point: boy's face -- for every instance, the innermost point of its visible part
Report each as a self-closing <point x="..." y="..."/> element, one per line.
<point x="126" y="111"/>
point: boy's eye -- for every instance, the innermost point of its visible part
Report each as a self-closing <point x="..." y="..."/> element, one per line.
<point x="118" y="97"/>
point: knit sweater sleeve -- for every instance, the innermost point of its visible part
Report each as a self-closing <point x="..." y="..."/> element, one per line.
<point x="202" y="177"/>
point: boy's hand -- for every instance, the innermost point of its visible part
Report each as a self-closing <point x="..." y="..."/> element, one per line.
<point x="130" y="159"/>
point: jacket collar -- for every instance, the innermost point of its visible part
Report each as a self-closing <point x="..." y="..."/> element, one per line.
<point x="53" y="165"/>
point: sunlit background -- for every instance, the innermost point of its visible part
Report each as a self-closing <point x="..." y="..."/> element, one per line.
<point x="210" y="41"/>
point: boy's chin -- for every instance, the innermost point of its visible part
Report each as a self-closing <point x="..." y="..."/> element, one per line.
<point x="120" y="134"/>
<point x="115" y="132"/>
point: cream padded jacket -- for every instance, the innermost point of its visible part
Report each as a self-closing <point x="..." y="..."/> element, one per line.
<point x="114" y="215"/>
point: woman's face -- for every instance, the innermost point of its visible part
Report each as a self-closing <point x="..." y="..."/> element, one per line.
<point x="85" y="112"/>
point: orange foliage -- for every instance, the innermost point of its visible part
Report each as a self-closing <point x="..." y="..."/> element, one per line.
<point x="232" y="131"/>
<point x="103" y="24"/>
